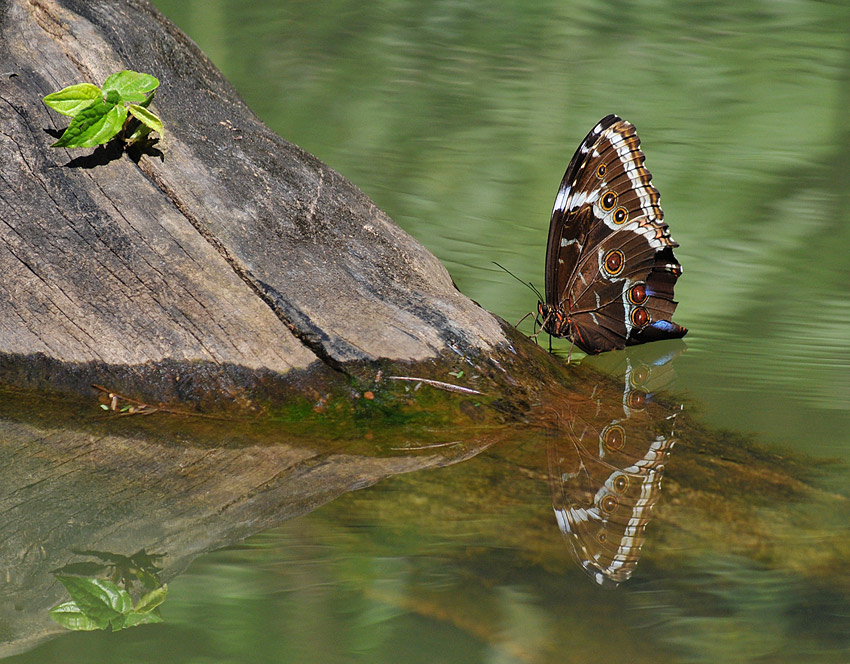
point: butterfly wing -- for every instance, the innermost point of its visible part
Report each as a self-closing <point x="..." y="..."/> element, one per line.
<point x="610" y="266"/>
<point x="570" y="220"/>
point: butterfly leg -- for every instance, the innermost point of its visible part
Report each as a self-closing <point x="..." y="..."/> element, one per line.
<point x="537" y="330"/>
<point x="523" y="318"/>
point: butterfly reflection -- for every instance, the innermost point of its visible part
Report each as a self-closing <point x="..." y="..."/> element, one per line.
<point x="606" y="465"/>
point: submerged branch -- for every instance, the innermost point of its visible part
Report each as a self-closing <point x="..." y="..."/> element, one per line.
<point x="142" y="408"/>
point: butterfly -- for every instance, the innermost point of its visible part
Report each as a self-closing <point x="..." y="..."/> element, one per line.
<point x="610" y="268"/>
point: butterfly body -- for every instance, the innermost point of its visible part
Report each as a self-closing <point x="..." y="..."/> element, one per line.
<point x="610" y="268"/>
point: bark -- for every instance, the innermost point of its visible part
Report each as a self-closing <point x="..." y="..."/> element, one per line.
<point x="226" y="261"/>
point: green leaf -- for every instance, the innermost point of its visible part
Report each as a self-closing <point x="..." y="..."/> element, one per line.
<point x="69" y="615"/>
<point x="132" y="619"/>
<point x="146" y="117"/>
<point x="98" y="599"/>
<point x="133" y="87"/>
<point x="73" y="99"/>
<point x="93" y="125"/>
<point x="147" y="102"/>
<point x="148" y="580"/>
<point x="140" y="132"/>
<point x="149" y="601"/>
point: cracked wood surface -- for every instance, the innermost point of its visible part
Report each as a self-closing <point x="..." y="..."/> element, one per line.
<point x="230" y="246"/>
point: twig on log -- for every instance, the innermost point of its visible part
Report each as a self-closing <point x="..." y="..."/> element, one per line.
<point x="448" y="387"/>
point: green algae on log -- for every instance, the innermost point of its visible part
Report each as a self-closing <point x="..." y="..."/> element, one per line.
<point x="725" y="496"/>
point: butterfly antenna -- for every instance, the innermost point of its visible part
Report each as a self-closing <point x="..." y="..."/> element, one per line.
<point x="524" y="283"/>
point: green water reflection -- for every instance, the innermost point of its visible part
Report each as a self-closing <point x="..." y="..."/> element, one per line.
<point x="458" y="118"/>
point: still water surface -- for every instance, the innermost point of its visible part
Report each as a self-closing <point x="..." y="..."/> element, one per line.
<point x="458" y="119"/>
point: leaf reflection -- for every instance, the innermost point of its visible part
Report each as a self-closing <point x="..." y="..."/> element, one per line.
<point x="99" y="603"/>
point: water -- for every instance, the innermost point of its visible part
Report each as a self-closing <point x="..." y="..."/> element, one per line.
<point x="458" y="119"/>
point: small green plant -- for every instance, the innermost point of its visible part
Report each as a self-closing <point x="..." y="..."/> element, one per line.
<point x="98" y="603"/>
<point x="100" y="114"/>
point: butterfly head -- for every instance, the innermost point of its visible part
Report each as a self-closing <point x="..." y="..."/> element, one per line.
<point x="553" y="320"/>
<point x="559" y="323"/>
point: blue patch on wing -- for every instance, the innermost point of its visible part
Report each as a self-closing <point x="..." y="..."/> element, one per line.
<point x="663" y="325"/>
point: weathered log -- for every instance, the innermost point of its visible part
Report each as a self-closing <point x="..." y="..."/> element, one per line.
<point x="226" y="246"/>
<point x="224" y="264"/>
